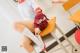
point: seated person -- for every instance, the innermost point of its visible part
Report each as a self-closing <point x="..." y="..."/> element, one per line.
<point x="26" y="9"/>
<point x="19" y="26"/>
<point x="40" y="21"/>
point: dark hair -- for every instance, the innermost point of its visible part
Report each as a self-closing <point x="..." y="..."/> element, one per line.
<point x="38" y="9"/>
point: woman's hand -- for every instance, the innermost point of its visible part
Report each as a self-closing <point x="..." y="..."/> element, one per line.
<point x="37" y="31"/>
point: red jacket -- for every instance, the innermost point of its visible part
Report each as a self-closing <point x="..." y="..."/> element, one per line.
<point x="40" y="21"/>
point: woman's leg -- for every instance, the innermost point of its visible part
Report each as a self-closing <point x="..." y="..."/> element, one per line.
<point x="26" y="28"/>
<point x="26" y="43"/>
<point x="19" y="26"/>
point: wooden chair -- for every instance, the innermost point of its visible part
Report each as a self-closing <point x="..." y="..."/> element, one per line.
<point x="76" y="19"/>
<point x="67" y="6"/>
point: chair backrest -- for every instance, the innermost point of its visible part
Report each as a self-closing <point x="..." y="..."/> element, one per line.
<point x="70" y="4"/>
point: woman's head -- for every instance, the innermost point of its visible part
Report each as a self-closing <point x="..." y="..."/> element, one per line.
<point x="38" y="10"/>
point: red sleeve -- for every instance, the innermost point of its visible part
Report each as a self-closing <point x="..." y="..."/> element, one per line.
<point x="36" y="25"/>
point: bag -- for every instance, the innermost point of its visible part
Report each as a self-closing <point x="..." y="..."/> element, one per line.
<point x="77" y="36"/>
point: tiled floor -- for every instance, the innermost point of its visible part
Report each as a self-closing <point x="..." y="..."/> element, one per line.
<point x="68" y="46"/>
<point x="65" y="43"/>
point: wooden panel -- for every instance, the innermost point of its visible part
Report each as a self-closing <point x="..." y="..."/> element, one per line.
<point x="70" y="4"/>
<point x="76" y="17"/>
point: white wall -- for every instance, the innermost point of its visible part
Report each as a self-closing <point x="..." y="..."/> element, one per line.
<point x="8" y="36"/>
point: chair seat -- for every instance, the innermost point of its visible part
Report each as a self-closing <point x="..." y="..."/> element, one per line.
<point x="50" y="28"/>
<point x="76" y="17"/>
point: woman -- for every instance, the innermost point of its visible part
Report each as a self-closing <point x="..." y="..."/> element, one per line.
<point x="26" y="9"/>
